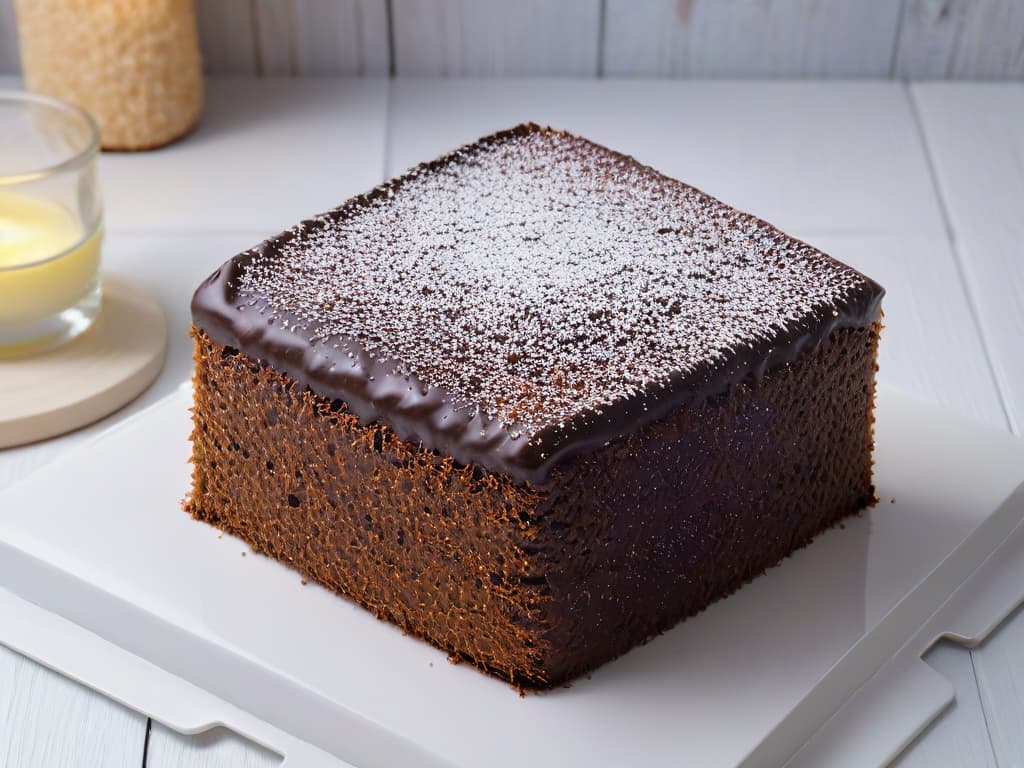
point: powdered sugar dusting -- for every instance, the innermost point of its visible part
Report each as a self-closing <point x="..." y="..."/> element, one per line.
<point x="537" y="276"/>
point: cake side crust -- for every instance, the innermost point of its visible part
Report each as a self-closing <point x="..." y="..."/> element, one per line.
<point x="672" y="519"/>
<point x="423" y="542"/>
<point x="536" y="583"/>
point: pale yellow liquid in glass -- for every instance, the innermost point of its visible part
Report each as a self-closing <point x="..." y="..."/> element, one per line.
<point x="47" y="263"/>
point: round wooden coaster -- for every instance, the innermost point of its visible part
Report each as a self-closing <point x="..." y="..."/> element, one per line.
<point x="103" y="369"/>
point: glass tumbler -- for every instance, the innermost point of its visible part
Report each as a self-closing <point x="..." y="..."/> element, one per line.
<point x="50" y="223"/>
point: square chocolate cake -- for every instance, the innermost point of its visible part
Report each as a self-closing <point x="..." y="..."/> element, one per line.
<point x="533" y="402"/>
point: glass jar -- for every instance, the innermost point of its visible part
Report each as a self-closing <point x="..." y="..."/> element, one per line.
<point x="50" y="223"/>
<point x="133" y="64"/>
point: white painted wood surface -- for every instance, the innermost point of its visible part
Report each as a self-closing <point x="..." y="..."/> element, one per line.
<point x="9" y="61"/>
<point x="47" y="720"/>
<point x="961" y="38"/>
<point x="702" y="38"/>
<point x="468" y="37"/>
<point x="991" y="40"/>
<point x="321" y="37"/>
<point x="975" y="135"/>
<point x="265" y="155"/>
<point x="1000" y="668"/>
<point x="842" y="140"/>
<point x="673" y="38"/>
<point x="226" y="36"/>
<point x="928" y="37"/>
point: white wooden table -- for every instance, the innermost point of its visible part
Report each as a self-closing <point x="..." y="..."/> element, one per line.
<point x="920" y="186"/>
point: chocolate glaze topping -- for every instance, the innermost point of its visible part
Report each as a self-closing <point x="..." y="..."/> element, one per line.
<point x="529" y="297"/>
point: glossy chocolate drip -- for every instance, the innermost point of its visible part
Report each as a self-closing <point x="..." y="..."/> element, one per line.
<point x="250" y="304"/>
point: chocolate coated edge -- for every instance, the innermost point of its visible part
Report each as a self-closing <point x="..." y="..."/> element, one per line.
<point x="374" y="392"/>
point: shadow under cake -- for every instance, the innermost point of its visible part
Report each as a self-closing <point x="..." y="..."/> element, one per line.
<point x="533" y="401"/>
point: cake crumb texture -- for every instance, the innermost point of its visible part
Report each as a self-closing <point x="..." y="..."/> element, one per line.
<point x="536" y="584"/>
